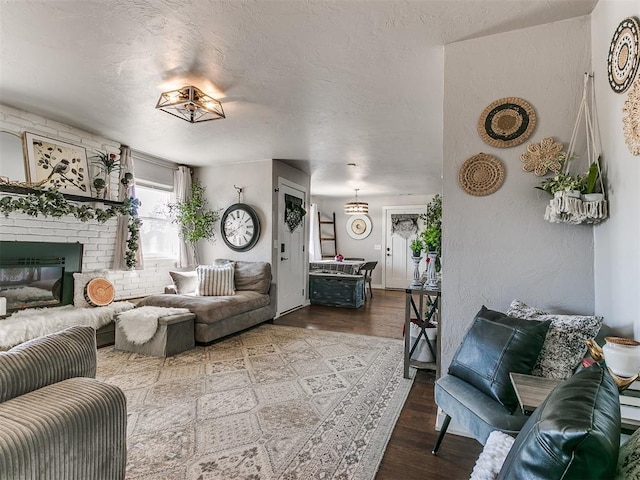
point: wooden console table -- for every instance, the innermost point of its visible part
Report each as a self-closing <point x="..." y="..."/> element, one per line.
<point x="532" y="391"/>
<point x="426" y="310"/>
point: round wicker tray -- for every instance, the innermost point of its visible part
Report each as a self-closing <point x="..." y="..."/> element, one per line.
<point x="99" y="292"/>
<point x="631" y="119"/>
<point x="624" y="58"/>
<point x="481" y="175"/>
<point x="507" y="122"/>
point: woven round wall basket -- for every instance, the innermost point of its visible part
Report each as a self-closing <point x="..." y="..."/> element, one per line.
<point x="507" y="122"/>
<point x="623" y="58"/>
<point x="481" y="175"/>
<point x="99" y="292"/>
<point x="631" y="118"/>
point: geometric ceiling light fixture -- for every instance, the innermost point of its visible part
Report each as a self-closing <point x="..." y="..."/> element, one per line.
<point x="191" y="104"/>
<point x="356" y="207"/>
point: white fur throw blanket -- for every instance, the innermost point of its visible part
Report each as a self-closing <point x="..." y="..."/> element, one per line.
<point x="494" y="453"/>
<point x="140" y="324"/>
<point x="35" y="322"/>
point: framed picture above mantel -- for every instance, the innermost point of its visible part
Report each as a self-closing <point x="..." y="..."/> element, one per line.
<point x="58" y="164"/>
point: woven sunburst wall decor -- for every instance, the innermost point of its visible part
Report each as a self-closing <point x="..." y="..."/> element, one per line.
<point x="623" y="58"/>
<point x="631" y="119"/>
<point x="542" y="157"/>
<point x="481" y="175"/>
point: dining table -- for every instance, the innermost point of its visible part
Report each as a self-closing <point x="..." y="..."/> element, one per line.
<point x="346" y="266"/>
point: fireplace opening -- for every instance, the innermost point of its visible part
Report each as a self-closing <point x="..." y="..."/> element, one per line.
<point x="32" y="282"/>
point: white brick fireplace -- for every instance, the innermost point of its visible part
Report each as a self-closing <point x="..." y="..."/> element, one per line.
<point x="98" y="239"/>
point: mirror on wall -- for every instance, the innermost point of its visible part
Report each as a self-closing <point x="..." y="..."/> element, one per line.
<point x="12" y="163"/>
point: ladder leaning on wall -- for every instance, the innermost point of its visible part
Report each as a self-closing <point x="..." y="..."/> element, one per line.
<point x="324" y="238"/>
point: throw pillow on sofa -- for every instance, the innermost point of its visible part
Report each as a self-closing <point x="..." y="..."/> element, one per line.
<point x="629" y="458"/>
<point x="565" y="345"/>
<point x="185" y="282"/>
<point x="495" y="345"/>
<point x="215" y="280"/>
<point x="575" y="433"/>
<point x="80" y="280"/>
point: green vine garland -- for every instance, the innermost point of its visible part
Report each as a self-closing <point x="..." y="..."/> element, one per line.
<point x="49" y="202"/>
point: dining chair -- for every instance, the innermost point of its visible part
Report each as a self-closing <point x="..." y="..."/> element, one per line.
<point x="354" y="259"/>
<point x="366" y="270"/>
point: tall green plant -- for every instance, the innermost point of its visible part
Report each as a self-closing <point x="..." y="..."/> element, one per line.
<point x="432" y="234"/>
<point x="195" y="218"/>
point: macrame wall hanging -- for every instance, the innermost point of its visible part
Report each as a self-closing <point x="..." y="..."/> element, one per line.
<point x="404" y="224"/>
<point x="564" y="208"/>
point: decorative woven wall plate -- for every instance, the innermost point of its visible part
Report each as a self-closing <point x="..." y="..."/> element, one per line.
<point x="631" y="119"/>
<point x="539" y="158"/>
<point x="507" y="122"/>
<point x="623" y="55"/>
<point x="99" y="292"/>
<point x="481" y="175"/>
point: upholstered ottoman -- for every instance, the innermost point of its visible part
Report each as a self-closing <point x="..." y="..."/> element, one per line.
<point x="174" y="335"/>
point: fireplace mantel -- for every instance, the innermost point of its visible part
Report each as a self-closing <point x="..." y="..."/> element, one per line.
<point x="74" y="198"/>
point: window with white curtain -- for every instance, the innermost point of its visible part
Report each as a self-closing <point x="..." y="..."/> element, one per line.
<point x="154" y="188"/>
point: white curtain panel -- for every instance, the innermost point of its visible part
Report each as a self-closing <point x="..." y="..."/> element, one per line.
<point x="122" y="232"/>
<point x="182" y="188"/>
<point x="314" y="235"/>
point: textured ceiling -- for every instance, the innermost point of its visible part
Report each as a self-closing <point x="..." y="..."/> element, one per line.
<point x="319" y="84"/>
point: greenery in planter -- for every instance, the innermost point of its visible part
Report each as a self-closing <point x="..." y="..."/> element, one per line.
<point x="591" y="182"/>
<point x="563" y="182"/>
<point x="49" y="202"/>
<point x="432" y="234"/>
<point x="195" y="218"/>
<point x="107" y="162"/>
<point x="416" y="247"/>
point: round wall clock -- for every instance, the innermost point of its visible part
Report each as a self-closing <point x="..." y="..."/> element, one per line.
<point x="358" y="226"/>
<point x="240" y="227"/>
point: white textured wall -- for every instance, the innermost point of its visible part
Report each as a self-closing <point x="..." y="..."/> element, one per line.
<point x="498" y="247"/>
<point x="255" y="180"/>
<point x="365" y="248"/>
<point x="259" y="181"/>
<point x="617" y="241"/>
<point x="98" y="239"/>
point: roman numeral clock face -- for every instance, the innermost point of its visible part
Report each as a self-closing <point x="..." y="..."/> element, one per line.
<point x="240" y="227"/>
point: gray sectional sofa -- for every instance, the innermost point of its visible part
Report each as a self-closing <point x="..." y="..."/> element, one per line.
<point x="56" y="420"/>
<point x="254" y="301"/>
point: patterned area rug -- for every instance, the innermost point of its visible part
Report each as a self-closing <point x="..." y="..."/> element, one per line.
<point x="274" y="402"/>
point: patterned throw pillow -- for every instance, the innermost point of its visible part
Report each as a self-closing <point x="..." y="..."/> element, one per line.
<point x="629" y="458"/>
<point x="80" y="281"/>
<point x="215" y="280"/>
<point x="564" y="346"/>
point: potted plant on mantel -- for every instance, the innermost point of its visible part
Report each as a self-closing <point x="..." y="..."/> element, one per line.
<point x="107" y="163"/>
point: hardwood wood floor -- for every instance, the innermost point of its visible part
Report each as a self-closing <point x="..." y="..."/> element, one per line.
<point x="408" y="455"/>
